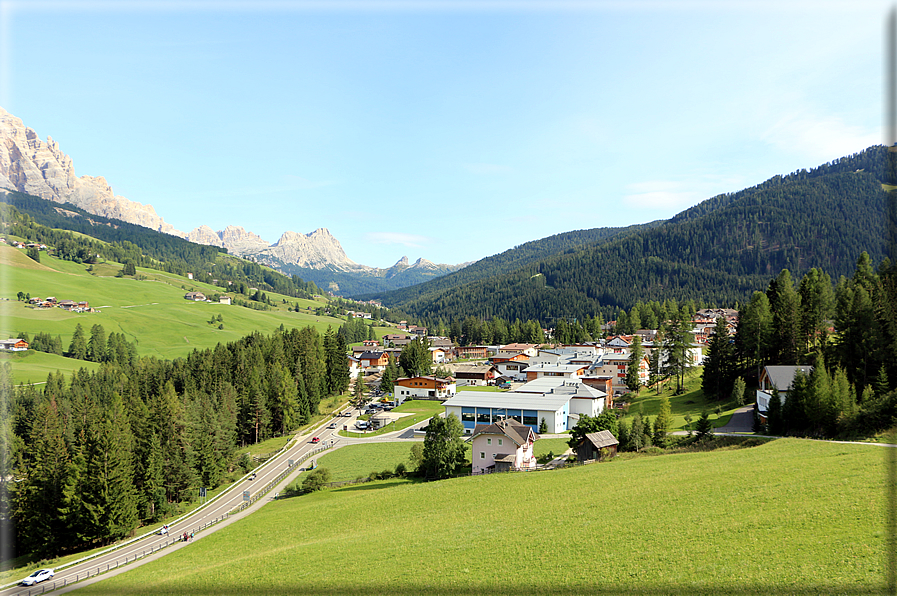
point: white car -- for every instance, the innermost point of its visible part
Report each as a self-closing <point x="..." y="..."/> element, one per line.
<point x="37" y="577"/>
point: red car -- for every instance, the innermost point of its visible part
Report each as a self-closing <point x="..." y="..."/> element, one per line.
<point x="316" y="440"/>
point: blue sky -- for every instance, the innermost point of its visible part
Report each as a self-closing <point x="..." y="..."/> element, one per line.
<point x="444" y="130"/>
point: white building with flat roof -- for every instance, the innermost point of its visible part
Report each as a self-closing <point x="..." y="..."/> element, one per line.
<point x="482" y="407"/>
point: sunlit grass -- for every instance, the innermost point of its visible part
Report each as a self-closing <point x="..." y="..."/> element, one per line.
<point x="788" y="517"/>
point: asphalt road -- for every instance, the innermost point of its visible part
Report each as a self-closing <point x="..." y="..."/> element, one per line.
<point x="154" y="545"/>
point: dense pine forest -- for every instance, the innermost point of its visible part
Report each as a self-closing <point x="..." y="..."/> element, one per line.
<point x="108" y="450"/>
<point x="40" y="220"/>
<point x="719" y="251"/>
<point x="847" y="332"/>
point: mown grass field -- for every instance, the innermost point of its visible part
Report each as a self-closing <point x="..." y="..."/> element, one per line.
<point x="354" y="461"/>
<point x="788" y="517"/>
<point x="151" y="312"/>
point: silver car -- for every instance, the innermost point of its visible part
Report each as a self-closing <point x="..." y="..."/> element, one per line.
<point x="37" y="577"/>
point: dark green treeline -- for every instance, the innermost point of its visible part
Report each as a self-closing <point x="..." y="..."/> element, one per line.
<point x="96" y="456"/>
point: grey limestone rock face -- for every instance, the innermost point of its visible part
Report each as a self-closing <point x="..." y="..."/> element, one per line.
<point x="40" y="168"/>
<point x="314" y="250"/>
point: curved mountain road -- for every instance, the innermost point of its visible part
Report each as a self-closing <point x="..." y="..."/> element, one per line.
<point x="214" y="515"/>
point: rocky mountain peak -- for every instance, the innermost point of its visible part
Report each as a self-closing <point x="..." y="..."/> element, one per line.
<point x="204" y="235"/>
<point x="32" y="166"/>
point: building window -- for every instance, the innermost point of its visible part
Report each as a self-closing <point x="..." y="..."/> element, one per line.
<point x="482" y="455"/>
<point x="488" y="441"/>
<point x="499" y="442"/>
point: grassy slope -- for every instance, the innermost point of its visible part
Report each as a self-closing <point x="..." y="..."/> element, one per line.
<point x="348" y="463"/>
<point x="692" y="402"/>
<point x="789" y="517"/>
<point x="152" y="311"/>
<point x="33" y="367"/>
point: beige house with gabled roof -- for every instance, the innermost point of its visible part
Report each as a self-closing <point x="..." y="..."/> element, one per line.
<point x="503" y="446"/>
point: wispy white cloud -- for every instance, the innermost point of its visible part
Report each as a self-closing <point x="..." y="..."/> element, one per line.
<point x="819" y="138"/>
<point x="409" y="240"/>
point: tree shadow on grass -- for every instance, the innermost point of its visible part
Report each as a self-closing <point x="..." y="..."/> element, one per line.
<point x="371" y="486"/>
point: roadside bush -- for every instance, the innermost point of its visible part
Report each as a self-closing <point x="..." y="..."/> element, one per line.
<point x="400" y="470"/>
<point x="245" y="462"/>
<point x="386" y="474"/>
<point x="316" y="480"/>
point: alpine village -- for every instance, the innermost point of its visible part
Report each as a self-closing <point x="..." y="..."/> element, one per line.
<point x="698" y="405"/>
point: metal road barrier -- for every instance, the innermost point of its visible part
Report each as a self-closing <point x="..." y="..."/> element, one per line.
<point x="92" y="572"/>
<point x="49" y="586"/>
<point x="265" y="489"/>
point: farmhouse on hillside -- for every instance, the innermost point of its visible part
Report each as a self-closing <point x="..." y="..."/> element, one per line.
<point x="14" y="345"/>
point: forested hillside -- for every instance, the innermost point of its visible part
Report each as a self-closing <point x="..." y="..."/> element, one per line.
<point x="718" y="252"/>
<point x="97" y="454"/>
<point x="39" y="220"/>
<point x="514" y="258"/>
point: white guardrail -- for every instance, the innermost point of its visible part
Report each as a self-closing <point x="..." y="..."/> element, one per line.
<point x="49" y="586"/>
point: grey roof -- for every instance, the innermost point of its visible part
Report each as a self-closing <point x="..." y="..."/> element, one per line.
<point x="509" y="427"/>
<point x="561" y="386"/>
<point x="509" y="399"/>
<point x="561" y="368"/>
<point x="602" y="438"/>
<point x="783" y="376"/>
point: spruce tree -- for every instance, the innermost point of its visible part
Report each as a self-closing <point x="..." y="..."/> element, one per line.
<point x="719" y="365"/>
<point x="739" y="394"/>
<point x="662" y="423"/>
<point x="39" y="498"/>
<point x="78" y="347"/>
<point x="784" y="303"/>
<point x="775" y="424"/>
<point x="96" y="345"/>
<point x="636" y="354"/>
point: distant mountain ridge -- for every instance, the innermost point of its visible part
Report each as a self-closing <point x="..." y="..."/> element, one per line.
<point x="719" y="251"/>
<point x="31" y="166"/>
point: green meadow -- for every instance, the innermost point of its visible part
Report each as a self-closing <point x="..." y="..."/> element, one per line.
<point x="151" y="312"/>
<point x="692" y="401"/>
<point x="787" y="517"/>
<point x="33" y="367"/>
<point x="354" y="461"/>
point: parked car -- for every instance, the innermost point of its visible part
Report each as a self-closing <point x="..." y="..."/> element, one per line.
<point x="316" y="440"/>
<point x="37" y="577"/>
<point x="361" y="424"/>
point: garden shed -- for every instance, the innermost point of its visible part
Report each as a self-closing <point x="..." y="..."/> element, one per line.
<point x="597" y="446"/>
